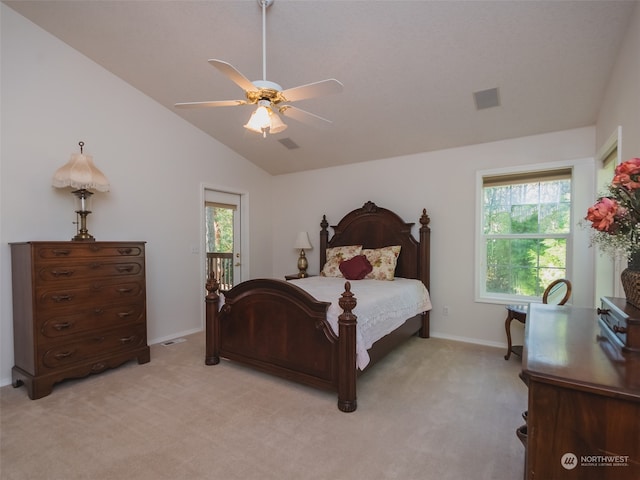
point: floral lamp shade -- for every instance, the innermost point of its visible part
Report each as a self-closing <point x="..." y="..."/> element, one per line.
<point x="80" y="172"/>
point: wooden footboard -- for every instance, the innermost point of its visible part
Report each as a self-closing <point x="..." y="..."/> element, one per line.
<point x="278" y="328"/>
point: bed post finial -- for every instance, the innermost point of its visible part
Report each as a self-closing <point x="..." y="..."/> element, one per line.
<point x="212" y="285"/>
<point x="424" y="219"/>
<point x="347" y="322"/>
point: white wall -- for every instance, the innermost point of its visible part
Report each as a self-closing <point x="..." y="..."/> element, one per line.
<point x="53" y="97"/>
<point x="443" y="182"/>
<point x="621" y="105"/>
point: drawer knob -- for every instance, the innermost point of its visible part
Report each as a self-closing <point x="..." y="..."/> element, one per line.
<point x="62" y="326"/>
<point x="619" y="329"/>
<point x="98" y="367"/>
<point x="63" y="355"/>
<point x="125" y="314"/>
<point x="603" y="311"/>
<point x="61" y="298"/>
<point x="127" y="340"/>
<point x="124" y="290"/>
<point x="125" y="251"/>
<point x="61" y="253"/>
<point x="125" y="268"/>
<point x="61" y="273"/>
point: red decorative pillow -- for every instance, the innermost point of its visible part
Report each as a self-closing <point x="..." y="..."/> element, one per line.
<point x="356" y="268"/>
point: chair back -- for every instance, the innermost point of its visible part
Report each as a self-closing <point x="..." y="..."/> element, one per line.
<point x="558" y="292"/>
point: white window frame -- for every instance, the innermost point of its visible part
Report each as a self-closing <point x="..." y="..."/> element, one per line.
<point x="480" y="272"/>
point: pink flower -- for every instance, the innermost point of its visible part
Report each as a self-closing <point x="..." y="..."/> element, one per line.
<point x="630" y="167"/>
<point x="602" y="214"/>
<point x="627" y="175"/>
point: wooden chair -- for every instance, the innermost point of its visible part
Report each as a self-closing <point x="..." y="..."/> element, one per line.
<point x="557" y="293"/>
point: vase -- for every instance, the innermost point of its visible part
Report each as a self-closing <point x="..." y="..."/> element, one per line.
<point x="630" y="278"/>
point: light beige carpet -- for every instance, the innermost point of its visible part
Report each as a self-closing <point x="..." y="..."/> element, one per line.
<point x="434" y="409"/>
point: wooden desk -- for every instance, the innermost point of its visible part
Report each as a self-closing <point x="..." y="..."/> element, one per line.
<point x="584" y="401"/>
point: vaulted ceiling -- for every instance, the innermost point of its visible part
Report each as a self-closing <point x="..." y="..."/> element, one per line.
<point x="409" y="68"/>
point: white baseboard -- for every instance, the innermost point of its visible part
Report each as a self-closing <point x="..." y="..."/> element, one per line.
<point x="469" y="340"/>
<point x="173" y="336"/>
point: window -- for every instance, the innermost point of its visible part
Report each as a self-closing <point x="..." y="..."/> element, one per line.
<point x="525" y="229"/>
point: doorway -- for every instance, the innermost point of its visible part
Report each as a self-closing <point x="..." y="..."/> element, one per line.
<point x="222" y="237"/>
<point x="607" y="273"/>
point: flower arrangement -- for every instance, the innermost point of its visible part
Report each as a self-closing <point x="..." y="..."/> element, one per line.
<point x="616" y="215"/>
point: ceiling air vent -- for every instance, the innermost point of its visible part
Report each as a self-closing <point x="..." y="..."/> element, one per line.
<point x="288" y="143"/>
<point x="486" y="98"/>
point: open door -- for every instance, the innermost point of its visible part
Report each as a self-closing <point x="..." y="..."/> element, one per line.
<point x="222" y="237"/>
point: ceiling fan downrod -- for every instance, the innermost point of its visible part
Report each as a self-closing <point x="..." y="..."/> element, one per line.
<point x="264" y="4"/>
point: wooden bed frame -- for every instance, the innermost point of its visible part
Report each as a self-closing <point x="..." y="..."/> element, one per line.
<point x="278" y="328"/>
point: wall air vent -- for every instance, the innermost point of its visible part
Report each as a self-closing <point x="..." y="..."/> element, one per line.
<point x="486" y="98"/>
<point x="288" y="143"/>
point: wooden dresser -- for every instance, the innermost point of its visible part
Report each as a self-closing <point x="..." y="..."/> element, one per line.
<point x="583" y="417"/>
<point x="78" y="308"/>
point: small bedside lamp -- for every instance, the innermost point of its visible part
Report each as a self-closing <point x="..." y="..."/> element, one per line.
<point x="81" y="174"/>
<point x="302" y="243"/>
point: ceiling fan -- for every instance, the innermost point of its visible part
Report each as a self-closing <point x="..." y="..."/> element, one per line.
<point x="269" y="96"/>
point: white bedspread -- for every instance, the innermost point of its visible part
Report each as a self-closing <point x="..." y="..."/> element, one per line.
<point x="382" y="306"/>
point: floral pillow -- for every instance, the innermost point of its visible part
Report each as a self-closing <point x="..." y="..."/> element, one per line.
<point x="383" y="260"/>
<point x="337" y="255"/>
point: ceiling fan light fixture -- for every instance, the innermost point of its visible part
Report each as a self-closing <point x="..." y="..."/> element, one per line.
<point x="277" y="125"/>
<point x="259" y="120"/>
<point x="263" y="119"/>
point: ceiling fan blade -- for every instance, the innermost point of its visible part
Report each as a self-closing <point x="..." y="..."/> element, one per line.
<point x="215" y="103"/>
<point x="235" y="76"/>
<point x="304" y="116"/>
<point x="323" y="87"/>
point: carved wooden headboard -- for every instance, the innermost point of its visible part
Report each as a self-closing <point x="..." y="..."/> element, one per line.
<point x="375" y="227"/>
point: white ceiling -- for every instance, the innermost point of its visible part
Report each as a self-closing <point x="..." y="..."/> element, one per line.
<point x="409" y="68"/>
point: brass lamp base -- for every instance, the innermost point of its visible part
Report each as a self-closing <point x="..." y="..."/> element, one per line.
<point x="83" y="234"/>
<point x="302" y="264"/>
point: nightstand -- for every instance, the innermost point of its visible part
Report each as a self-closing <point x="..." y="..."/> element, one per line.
<point x="294" y="276"/>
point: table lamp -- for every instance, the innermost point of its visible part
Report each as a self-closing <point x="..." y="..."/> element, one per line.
<point x="81" y="174"/>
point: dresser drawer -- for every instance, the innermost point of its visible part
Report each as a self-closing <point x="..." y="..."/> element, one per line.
<point x="86" y="250"/>
<point x="78" y="321"/>
<point x="97" y="293"/>
<point x="93" y="346"/>
<point x="91" y="268"/>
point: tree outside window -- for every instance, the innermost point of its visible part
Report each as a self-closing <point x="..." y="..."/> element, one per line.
<point x="219" y="228"/>
<point x="525" y="229"/>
